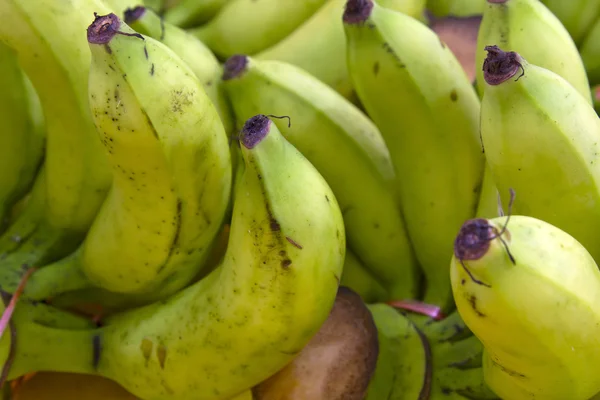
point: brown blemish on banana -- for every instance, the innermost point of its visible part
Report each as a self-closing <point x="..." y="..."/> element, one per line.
<point x="234" y="66"/>
<point x="177" y="224"/>
<point x="161" y="355"/>
<point x="508" y="371"/>
<point x="274" y="225"/>
<point x="295" y="244"/>
<point x="146" y="347"/>
<point x="472" y="299"/>
<point x="96" y="350"/>
<point x="453" y="95"/>
<point x="500" y="66"/>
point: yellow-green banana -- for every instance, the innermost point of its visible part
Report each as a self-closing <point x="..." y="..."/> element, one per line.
<point x="171" y="165"/>
<point x="189" y="13"/>
<point x="358" y="278"/>
<point x="590" y="53"/>
<point x="275" y="288"/>
<point x="488" y="206"/>
<point x="596" y="94"/>
<point x="249" y="26"/>
<point x="119" y="6"/>
<point x="456" y="8"/>
<point x="22" y="136"/>
<point x="576" y="15"/>
<point x="417" y="93"/>
<point x="191" y="50"/>
<point x="529" y="291"/>
<point x="542" y="139"/>
<point x="346" y="148"/>
<point x="530" y="29"/>
<point x="319" y="46"/>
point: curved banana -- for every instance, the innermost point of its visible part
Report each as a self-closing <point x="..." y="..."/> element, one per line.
<point x="590" y="53"/>
<point x="346" y="148"/>
<point x="576" y="15"/>
<point x="189" y="13"/>
<point x="192" y="51"/>
<point x="172" y="171"/>
<point x="275" y="288"/>
<point x="22" y="137"/>
<point x="319" y="45"/>
<point x="542" y="139"/>
<point x="249" y="26"/>
<point x="528" y="277"/>
<point x="456" y="8"/>
<point x="431" y="130"/>
<point x="359" y="279"/>
<point x="530" y="29"/>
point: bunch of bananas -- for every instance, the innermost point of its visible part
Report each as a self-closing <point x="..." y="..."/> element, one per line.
<point x="301" y="199"/>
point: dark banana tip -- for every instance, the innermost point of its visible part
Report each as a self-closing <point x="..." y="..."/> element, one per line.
<point x="234" y="66"/>
<point x="500" y="66"/>
<point x="103" y="29"/>
<point x="473" y="239"/>
<point x="133" y="14"/>
<point x="255" y="130"/>
<point x="357" y="11"/>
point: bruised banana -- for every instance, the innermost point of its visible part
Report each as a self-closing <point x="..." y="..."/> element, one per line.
<point x="192" y="51"/>
<point x="431" y="130"/>
<point x="339" y="140"/>
<point x="319" y="45"/>
<point x="530" y="29"/>
<point x="576" y="15"/>
<point x="532" y="279"/>
<point x="189" y="13"/>
<point x="590" y="53"/>
<point x="249" y="26"/>
<point x="542" y="139"/>
<point x="22" y="137"/>
<point x="171" y="165"/>
<point x="52" y="51"/>
<point x="275" y="288"/>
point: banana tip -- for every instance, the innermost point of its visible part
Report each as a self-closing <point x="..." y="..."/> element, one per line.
<point x="357" y="11"/>
<point x="234" y="66"/>
<point x="473" y="239"/>
<point x="103" y="29"/>
<point x="133" y="14"/>
<point x="255" y="130"/>
<point x="499" y="66"/>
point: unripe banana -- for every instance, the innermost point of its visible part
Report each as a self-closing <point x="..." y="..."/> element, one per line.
<point x="596" y="93"/>
<point x="489" y="201"/>
<point x="590" y="53"/>
<point x="22" y="135"/>
<point x="529" y="292"/>
<point x="192" y="51"/>
<point x="346" y="148"/>
<point x="530" y="29"/>
<point x="249" y="26"/>
<point x="431" y="130"/>
<point x="576" y="15"/>
<point x="171" y="165"/>
<point x="358" y="278"/>
<point x="275" y="288"/>
<point x="456" y="8"/>
<point x="319" y="45"/>
<point x="189" y="13"/>
<point x="542" y="138"/>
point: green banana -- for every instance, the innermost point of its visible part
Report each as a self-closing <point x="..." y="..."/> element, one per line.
<point x="530" y="29"/>
<point x="542" y="138"/>
<point x="275" y="288"/>
<point x="22" y="137"/>
<point x="431" y="130"/>
<point x="192" y="51"/>
<point x="529" y="291"/>
<point x="576" y="15"/>
<point x="596" y="93"/>
<point x="460" y="384"/>
<point x="319" y="45"/>
<point x="249" y="26"/>
<point x="488" y="206"/>
<point x="189" y="13"/>
<point x="119" y="6"/>
<point x="341" y="142"/>
<point x="47" y="39"/>
<point x="359" y="279"/>
<point x="450" y="329"/>
<point x="590" y="53"/>
<point x="458" y="354"/>
<point x="456" y="8"/>
<point x="172" y="172"/>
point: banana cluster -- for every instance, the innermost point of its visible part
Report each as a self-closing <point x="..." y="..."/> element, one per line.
<point x="301" y="199"/>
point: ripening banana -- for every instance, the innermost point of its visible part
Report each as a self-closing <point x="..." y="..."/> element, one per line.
<point x="529" y="291"/>
<point x="249" y="26"/>
<point x="456" y="8"/>
<point x="319" y="46"/>
<point x="530" y="29"/>
<point x="192" y="51"/>
<point x="47" y="38"/>
<point x="358" y="278"/>
<point x="403" y="369"/>
<point x="576" y="15"/>
<point x="417" y="93"/>
<point x="346" y="148"/>
<point x="275" y="288"/>
<point x="171" y="165"/>
<point x="22" y="135"/>
<point x="542" y="139"/>
<point x="189" y="13"/>
<point x="590" y="53"/>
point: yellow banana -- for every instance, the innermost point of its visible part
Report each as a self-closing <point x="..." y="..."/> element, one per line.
<point x="249" y="26"/>
<point x="192" y="51"/>
<point x="530" y="29"/>
<point x="542" y="138"/>
<point x="22" y="137"/>
<point x="431" y="129"/>
<point x="188" y="13"/>
<point x="590" y="53"/>
<point x="529" y="291"/>
<point x="274" y="288"/>
<point x="171" y="165"/>
<point x="576" y="15"/>
<point x="346" y="148"/>
<point x="319" y="46"/>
